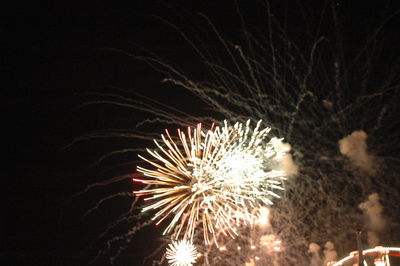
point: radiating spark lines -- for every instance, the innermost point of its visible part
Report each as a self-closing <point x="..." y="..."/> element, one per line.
<point x="212" y="177"/>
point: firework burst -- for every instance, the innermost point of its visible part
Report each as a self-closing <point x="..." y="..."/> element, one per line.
<point x="181" y="253"/>
<point x="213" y="177"/>
<point x="315" y="91"/>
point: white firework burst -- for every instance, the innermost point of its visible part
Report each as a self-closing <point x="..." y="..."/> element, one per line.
<point x="181" y="253"/>
<point x="214" y="178"/>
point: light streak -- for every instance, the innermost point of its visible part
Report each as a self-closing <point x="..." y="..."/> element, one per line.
<point x="386" y="251"/>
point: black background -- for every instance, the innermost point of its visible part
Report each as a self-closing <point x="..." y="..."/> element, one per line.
<point x="51" y="55"/>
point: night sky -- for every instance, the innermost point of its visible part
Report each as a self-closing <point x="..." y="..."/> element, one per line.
<point x="52" y="56"/>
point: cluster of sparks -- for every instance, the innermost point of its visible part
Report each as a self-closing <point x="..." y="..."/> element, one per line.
<point x="181" y="253"/>
<point x="211" y="180"/>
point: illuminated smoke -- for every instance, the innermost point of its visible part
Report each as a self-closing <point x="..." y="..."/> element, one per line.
<point x="314" y="249"/>
<point x="250" y="263"/>
<point x="375" y="221"/>
<point x="354" y="147"/>
<point x="330" y="253"/>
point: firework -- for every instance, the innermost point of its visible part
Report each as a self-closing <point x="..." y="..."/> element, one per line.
<point x="213" y="177"/>
<point x="181" y="253"/>
<point x="314" y="92"/>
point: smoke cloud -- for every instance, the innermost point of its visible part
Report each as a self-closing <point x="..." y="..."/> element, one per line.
<point x="286" y="162"/>
<point x="375" y="220"/>
<point x="330" y="253"/>
<point x="354" y="147"/>
<point x="315" y="257"/>
<point x="250" y="263"/>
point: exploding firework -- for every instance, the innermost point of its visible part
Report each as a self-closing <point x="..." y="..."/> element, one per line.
<point x="319" y="109"/>
<point x="325" y="96"/>
<point x="181" y="253"/>
<point x="214" y="178"/>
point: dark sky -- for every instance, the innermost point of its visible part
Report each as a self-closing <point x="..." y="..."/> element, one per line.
<point x="52" y="55"/>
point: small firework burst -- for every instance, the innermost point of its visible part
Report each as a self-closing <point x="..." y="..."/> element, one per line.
<point x="181" y="253"/>
<point x="213" y="177"/>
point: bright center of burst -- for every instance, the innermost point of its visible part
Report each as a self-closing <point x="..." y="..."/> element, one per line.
<point x="238" y="167"/>
<point x="184" y="254"/>
<point x="236" y="172"/>
<point x="181" y="253"/>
